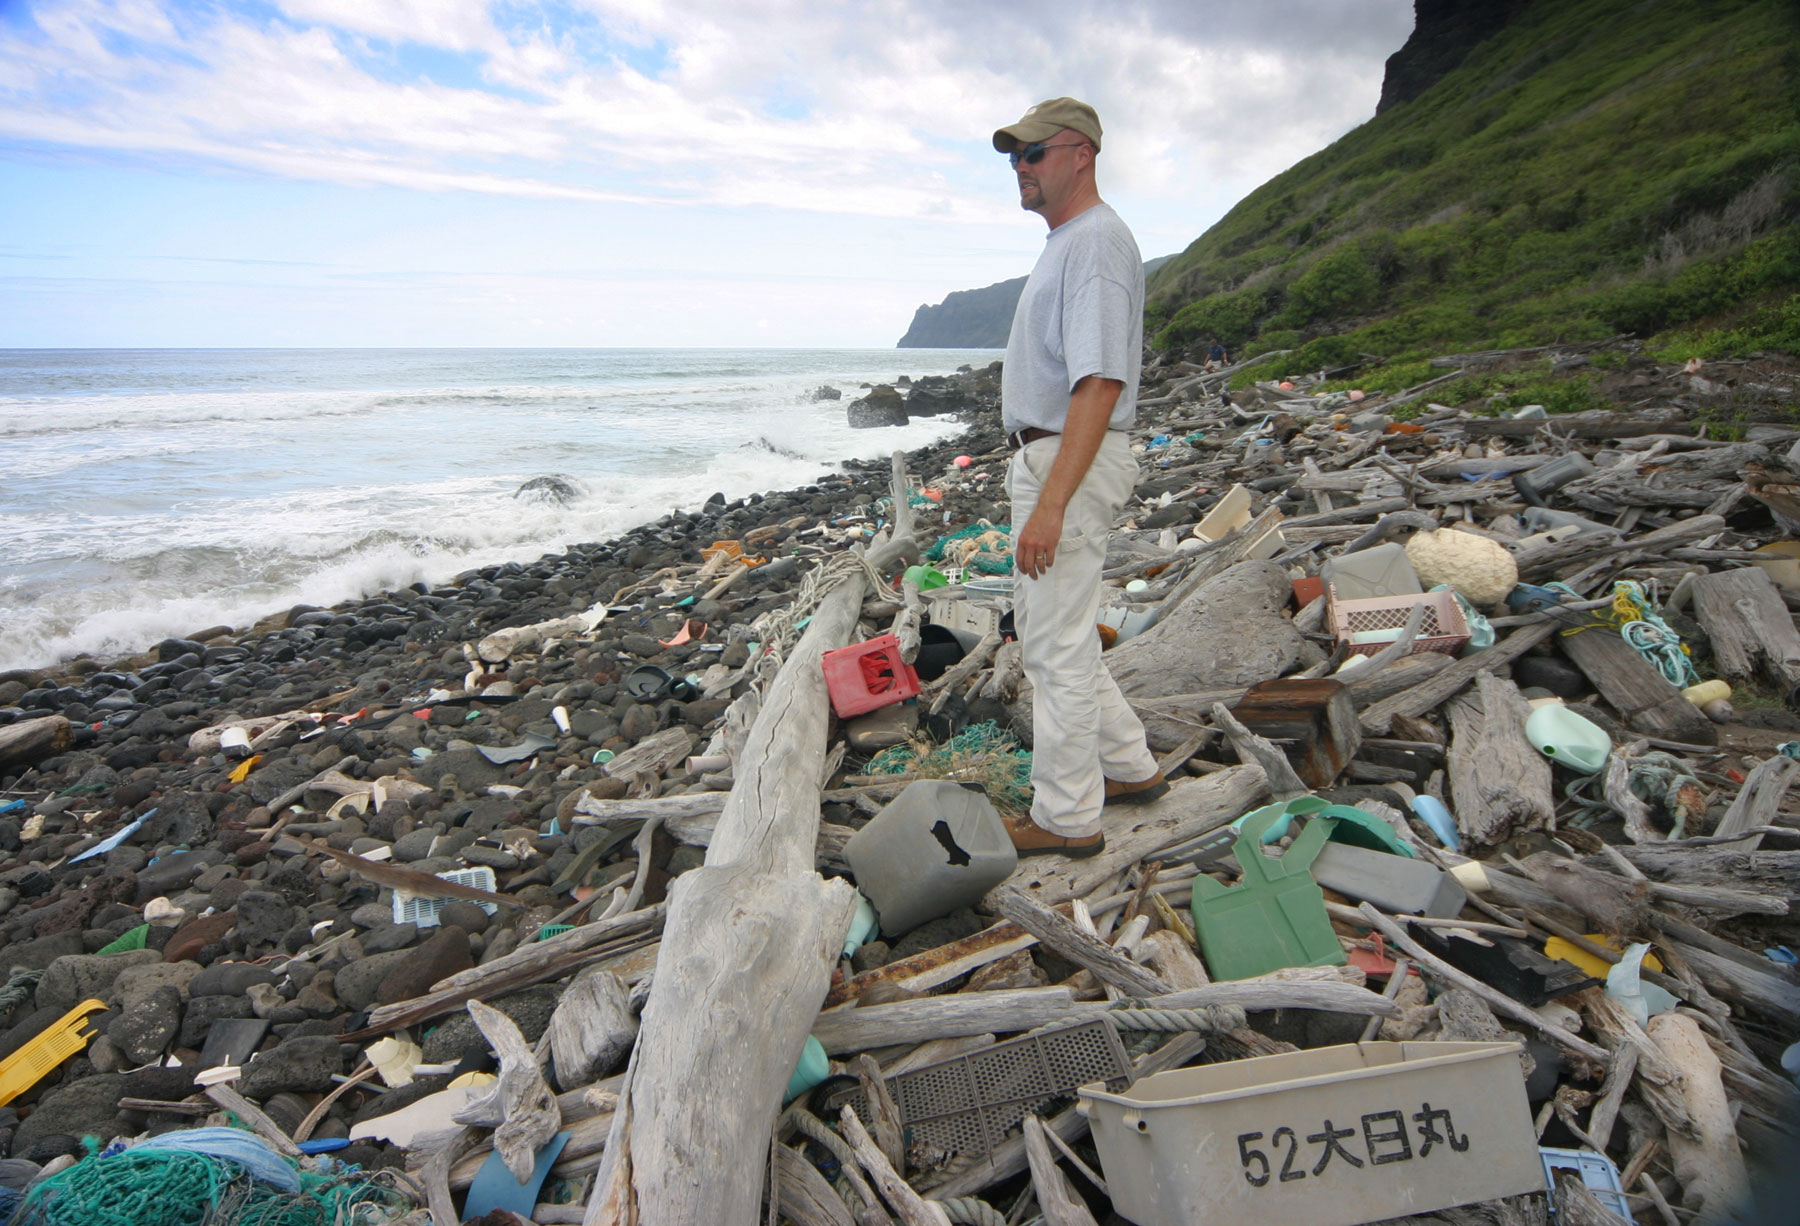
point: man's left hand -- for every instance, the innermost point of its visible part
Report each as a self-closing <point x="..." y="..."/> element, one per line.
<point x="1034" y="552"/>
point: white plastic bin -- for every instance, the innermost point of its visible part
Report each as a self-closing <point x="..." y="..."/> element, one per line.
<point x="1330" y="1137"/>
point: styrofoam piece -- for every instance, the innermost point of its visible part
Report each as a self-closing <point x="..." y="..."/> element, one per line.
<point x="1333" y="1136"/>
<point x="423" y="911"/>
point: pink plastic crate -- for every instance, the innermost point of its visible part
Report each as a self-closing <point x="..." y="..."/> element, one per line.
<point x="1365" y="625"/>
<point x="867" y="676"/>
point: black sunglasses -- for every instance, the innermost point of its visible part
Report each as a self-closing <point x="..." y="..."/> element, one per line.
<point x="1031" y="155"/>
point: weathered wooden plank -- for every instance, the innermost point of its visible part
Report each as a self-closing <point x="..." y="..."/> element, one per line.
<point x="1749" y="626"/>
<point x="1633" y="687"/>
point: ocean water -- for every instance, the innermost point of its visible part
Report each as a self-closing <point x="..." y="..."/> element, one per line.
<point x="150" y="493"/>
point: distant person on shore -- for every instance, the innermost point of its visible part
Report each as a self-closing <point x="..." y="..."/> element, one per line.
<point x="1068" y="395"/>
<point x="1215" y="357"/>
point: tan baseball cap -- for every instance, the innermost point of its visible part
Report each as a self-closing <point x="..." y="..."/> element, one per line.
<point x="1045" y="120"/>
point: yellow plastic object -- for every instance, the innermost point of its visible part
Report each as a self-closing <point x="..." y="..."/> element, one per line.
<point x="39" y="1058"/>
<point x="1558" y="948"/>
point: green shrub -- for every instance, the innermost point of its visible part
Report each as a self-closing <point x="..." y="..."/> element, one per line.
<point x="1342" y="282"/>
<point x="1230" y="318"/>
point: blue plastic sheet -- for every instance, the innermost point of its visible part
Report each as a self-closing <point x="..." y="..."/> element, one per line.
<point x="111" y="841"/>
<point x="233" y="1145"/>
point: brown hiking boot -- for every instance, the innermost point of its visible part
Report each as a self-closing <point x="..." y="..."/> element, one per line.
<point x="1031" y="839"/>
<point x="1141" y="792"/>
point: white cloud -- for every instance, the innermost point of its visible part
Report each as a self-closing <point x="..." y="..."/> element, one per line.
<point x="879" y="108"/>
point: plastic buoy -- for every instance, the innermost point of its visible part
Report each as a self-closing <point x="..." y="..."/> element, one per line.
<point x="963" y="461"/>
<point x="1355" y="396"/>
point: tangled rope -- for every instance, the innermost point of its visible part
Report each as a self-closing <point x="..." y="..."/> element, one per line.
<point x="984" y="753"/>
<point x="1640" y="625"/>
<point x="19" y="988"/>
<point x="779" y="629"/>
<point x="1656" y="778"/>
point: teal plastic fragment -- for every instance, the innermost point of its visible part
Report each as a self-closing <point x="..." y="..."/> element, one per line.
<point x="862" y="925"/>
<point x="495" y="1188"/>
<point x="813" y="1067"/>
<point x="1354" y="826"/>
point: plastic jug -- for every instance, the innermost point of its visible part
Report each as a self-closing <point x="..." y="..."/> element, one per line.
<point x="937" y="847"/>
<point x="1275" y="916"/>
<point x="1563" y="736"/>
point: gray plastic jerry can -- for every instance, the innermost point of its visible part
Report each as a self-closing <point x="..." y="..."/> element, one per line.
<point x="937" y="847"/>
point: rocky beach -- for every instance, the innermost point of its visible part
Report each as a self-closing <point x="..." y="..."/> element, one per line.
<point x="208" y="838"/>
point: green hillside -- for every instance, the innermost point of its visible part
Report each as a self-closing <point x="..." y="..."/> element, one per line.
<point x="1597" y="167"/>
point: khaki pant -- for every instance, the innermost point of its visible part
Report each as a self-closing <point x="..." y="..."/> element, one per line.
<point x="1082" y="730"/>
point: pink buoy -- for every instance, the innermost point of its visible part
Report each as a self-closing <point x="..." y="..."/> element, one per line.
<point x="1285" y="386"/>
<point x="963" y="461"/>
<point x="1355" y="396"/>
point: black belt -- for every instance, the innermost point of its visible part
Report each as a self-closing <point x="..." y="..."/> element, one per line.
<point x="1030" y="434"/>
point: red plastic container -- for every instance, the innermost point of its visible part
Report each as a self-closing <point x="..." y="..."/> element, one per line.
<point x="867" y="676"/>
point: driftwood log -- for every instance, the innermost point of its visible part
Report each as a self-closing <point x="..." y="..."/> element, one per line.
<point x="1710" y="1166"/>
<point x="32" y="740"/>
<point x="1634" y="688"/>
<point x="747" y="952"/>
<point x="1231" y="632"/>
<point x="1749" y="626"/>
<point x="1501" y="784"/>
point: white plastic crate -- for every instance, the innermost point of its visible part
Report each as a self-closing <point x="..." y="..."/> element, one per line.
<point x="1334" y="1136"/>
<point x="422" y="910"/>
<point x="957" y="608"/>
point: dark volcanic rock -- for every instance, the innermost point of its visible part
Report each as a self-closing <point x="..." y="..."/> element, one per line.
<point x="1444" y="32"/>
<point x="881" y="407"/>
<point x="300" y="1065"/>
<point x="86" y="1107"/>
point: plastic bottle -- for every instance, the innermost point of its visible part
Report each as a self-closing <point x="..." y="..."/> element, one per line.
<point x="1432" y="812"/>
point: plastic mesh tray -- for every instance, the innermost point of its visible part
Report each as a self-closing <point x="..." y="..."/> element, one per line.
<point x="423" y="911"/>
<point x="1367" y="626"/>
<point x="1597" y="1172"/>
<point x="968" y="1103"/>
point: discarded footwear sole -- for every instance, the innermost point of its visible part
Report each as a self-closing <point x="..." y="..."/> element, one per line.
<point x="1141" y="792"/>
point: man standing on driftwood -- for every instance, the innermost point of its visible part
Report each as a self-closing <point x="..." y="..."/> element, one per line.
<point x="1068" y="395"/>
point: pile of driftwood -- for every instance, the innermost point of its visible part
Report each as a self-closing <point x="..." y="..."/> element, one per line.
<point x="716" y="990"/>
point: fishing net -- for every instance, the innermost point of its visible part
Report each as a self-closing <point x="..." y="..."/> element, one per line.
<point x="170" y="1187"/>
<point x="982" y="547"/>
<point x="982" y="753"/>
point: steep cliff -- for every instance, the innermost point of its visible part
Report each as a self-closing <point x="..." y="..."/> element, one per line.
<point x="966" y="319"/>
<point x="1589" y="168"/>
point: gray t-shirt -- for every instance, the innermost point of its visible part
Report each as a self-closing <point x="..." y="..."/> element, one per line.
<point x="1082" y="313"/>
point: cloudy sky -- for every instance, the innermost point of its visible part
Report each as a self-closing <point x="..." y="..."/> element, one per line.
<point x="609" y="172"/>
